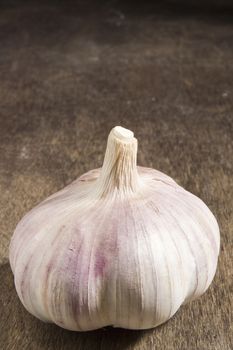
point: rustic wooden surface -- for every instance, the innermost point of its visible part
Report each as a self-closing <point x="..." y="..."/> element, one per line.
<point x="68" y="74"/>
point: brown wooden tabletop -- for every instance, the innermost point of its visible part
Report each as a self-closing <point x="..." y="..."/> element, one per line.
<point x="69" y="72"/>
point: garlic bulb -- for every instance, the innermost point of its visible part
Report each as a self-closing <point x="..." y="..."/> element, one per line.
<point x="121" y="245"/>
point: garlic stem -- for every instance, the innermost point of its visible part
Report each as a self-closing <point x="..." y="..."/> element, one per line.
<point x="119" y="171"/>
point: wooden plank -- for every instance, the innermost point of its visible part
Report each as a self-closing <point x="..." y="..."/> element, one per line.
<point x="68" y="74"/>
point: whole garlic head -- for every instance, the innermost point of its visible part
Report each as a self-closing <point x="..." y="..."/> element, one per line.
<point x="121" y="245"/>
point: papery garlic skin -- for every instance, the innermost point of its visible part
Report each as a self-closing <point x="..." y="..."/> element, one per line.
<point x="122" y="245"/>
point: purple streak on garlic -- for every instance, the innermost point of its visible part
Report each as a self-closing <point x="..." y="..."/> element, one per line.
<point x="121" y="245"/>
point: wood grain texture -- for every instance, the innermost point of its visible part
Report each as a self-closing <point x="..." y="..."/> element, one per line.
<point x="68" y="74"/>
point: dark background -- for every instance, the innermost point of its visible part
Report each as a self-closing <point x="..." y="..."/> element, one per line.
<point x="69" y="72"/>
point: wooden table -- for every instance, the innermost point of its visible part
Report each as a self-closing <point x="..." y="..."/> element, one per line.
<point x="68" y="74"/>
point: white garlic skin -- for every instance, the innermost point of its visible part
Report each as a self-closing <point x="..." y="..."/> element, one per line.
<point x="126" y="254"/>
